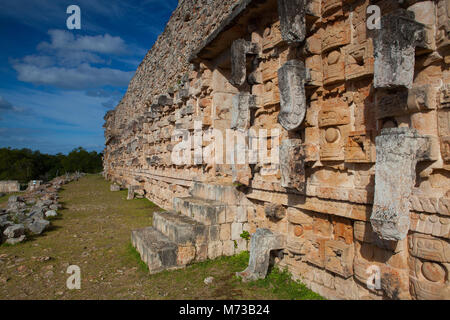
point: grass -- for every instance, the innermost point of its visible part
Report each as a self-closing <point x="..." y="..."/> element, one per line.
<point x="93" y="231"/>
<point x="4" y="199"/>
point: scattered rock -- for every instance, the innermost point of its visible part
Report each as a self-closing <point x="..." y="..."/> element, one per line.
<point x="38" y="226"/>
<point x="14" y="231"/>
<point x="14" y="241"/>
<point x="209" y="280"/>
<point x="51" y="213"/>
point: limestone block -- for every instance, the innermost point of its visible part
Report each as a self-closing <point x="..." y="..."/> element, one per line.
<point x="406" y="101"/>
<point x="243" y="103"/>
<point x="332" y="142"/>
<point x="292" y="164"/>
<point x="241" y="214"/>
<point x="360" y="147"/>
<point x="334" y="112"/>
<point x="359" y="60"/>
<point x="444" y="133"/>
<point x="443" y="32"/>
<point x="339" y="258"/>
<point x="274" y="211"/>
<point x="314" y="71"/>
<point x="292" y="20"/>
<point x="225" y="231"/>
<point x="236" y="230"/>
<point x="444" y="96"/>
<point x="316" y="251"/>
<point x="398" y="151"/>
<point x="272" y="36"/>
<point x="337" y="34"/>
<point x="215" y="249"/>
<point x="334" y="67"/>
<point x="394" y="46"/>
<point x="262" y="243"/>
<point x="291" y="77"/>
<point x="429" y="248"/>
<point x="239" y="51"/>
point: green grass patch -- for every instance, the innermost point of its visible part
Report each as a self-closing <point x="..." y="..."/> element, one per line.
<point x="132" y="255"/>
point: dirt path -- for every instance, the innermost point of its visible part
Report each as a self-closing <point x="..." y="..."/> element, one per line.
<point x="93" y="232"/>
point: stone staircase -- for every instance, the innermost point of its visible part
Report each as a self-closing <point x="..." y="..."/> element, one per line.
<point x="207" y="224"/>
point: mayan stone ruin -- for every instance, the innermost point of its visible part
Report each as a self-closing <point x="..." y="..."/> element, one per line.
<point x="358" y="204"/>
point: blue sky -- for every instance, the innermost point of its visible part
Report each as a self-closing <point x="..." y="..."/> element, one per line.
<point x="56" y="84"/>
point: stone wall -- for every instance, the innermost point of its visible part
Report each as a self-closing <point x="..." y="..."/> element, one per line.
<point x="363" y="118"/>
<point x="9" y="186"/>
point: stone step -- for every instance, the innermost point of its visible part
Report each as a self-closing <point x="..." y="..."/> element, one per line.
<point x="215" y="192"/>
<point x="208" y="212"/>
<point x="180" y="228"/>
<point x="156" y="250"/>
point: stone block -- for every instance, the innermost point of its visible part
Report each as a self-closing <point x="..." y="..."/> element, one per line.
<point x="239" y="51"/>
<point x="243" y="103"/>
<point x="359" y="60"/>
<point x="291" y="77"/>
<point x="225" y="231"/>
<point x="394" y="46"/>
<point x="292" y="164"/>
<point x="429" y="248"/>
<point x="336" y="34"/>
<point x="274" y="211"/>
<point x="262" y="243"/>
<point x="215" y="249"/>
<point x="398" y="151"/>
<point x="292" y="20"/>
<point x="241" y="214"/>
<point x="236" y="230"/>
<point x="332" y="142"/>
<point x="360" y="147"/>
<point x="339" y="258"/>
<point x="334" y="67"/>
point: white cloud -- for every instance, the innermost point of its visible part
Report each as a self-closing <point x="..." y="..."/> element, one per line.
<point x="62" y="40"/>
<point x="81" y="77"/>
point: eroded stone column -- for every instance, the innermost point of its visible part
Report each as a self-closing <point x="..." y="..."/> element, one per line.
<point x="292" y="20"/>
<point x="292" y="164"/>
<point x="291" y="78"/>
<point x="398" y="151"/>
<point x="243" y="103"/>
<point x="394" y="46"/>
<point x="239" y="51"/>
<point x="263" y="241"/>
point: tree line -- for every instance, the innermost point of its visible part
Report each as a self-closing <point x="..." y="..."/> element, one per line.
<point x="25" y="165"/>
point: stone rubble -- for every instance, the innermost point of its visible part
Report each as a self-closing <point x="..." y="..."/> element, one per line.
<point x="28" y="213"/>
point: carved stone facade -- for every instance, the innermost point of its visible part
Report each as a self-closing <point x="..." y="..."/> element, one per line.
<point x="363" y="122"/>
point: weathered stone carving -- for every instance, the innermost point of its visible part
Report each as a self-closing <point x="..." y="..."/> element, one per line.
<point x="360" y="147"/>
<point x="292" y="164"/>
<point x="336" y="35"/>
<point x="429" y="267"/>
<point x="339" y="258"/>
<point x="239" y="51"/>
<point x="291" y="77"/>
<point x="292" y="20"/>
<point x="395" y="45"/>
<point x="262" y="243"/>
<point x="398" y="151"/>
<point x="359" y="60"/>
<point x="243" y="103"/>
<point x="444" y="133"/>
<point x="274" y="211"/>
